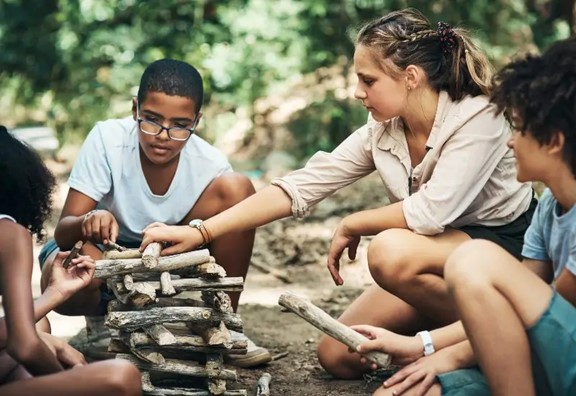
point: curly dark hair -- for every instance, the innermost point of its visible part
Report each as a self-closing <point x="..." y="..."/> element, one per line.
<point x="172" y="77"/>
<point x="26" y="183"/>
<point x="538" y="96"/>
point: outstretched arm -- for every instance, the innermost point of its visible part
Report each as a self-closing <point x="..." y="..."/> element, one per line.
<point x="265" y="206"/>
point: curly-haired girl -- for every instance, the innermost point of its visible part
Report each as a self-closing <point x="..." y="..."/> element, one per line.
<point x="26" y="352"/>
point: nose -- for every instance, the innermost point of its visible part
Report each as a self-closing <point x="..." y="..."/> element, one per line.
<point x="163" y="135"/>
<point x="359" y="93"/>
<point x="510" y="142"/>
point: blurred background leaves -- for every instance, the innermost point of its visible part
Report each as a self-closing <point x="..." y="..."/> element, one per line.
<point x="278" y="73"/>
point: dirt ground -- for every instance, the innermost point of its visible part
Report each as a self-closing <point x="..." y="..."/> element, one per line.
<point x="298" y="249"/>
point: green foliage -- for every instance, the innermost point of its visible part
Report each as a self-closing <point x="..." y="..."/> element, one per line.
<point x="69" y="63"/>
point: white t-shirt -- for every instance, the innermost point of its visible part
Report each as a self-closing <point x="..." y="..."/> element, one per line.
<point x="108" y="170"/>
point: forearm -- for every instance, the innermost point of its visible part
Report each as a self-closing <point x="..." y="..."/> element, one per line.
<point x="463" y="354"/>
<point x="36" y="357"/>
<point x="68" y="231"/>
<point x="373" y="221"/>
<point x="265" y="206"/>
<point x="49" y="300"/>
<point x="446" y="336"/>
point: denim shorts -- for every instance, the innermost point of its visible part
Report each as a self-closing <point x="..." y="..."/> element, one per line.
<point x="553" y="343"/>
<point x="469" y="382"/>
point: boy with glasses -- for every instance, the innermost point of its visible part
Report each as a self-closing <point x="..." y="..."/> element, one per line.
<point x="151" y="167"/>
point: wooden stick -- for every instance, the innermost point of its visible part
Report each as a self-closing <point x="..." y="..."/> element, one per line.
<point x="128" y="282"/>
<point x="142" y="294"/>
<point x="73" y="254"/>
<point x="115" y="246"/>
<point x="160" y="334"/>
<point x="184" y="338"/>
<point x="321" y="320"/>
<point x="263" y="388"/>
<point x="214" y="364"/>
<point x="132" y="320"/>
<point x="224" y="284"/>
<point x="151" y="254"/>
<point x="109" y="268"/>
<point x="189" y="392"/>
<point x="116" y="305"/>
<point x="166" y="287"/>
<point x="218" y="300"/>
<point x="146" y="382"/>
<point x="213" y="335"/>
<point x="184" y="367"/>
<point x="125" y="254"/>
<point x="207" y="270"/>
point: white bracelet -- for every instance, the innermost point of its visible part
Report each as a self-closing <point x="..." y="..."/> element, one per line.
<point x="427" y="341"/>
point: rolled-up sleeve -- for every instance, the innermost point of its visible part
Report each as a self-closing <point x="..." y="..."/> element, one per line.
<point x="325" y="173"/>
<point x="466" y="162"/>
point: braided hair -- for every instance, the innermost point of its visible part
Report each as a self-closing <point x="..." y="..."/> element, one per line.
<point x="448" y="56"/>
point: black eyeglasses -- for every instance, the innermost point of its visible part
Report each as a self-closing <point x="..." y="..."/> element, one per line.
<point x="150" y="127"/>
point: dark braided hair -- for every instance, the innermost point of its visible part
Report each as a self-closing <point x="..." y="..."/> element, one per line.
<point x="174" y="78"/>
<point x="26" y="184"/>
<point x="448" y="56"/>
<point x="538" y="96"/>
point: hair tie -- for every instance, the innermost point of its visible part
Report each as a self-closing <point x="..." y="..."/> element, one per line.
<point x="447" y="37"/>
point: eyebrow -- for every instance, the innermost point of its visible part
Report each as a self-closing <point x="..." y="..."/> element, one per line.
<point x="158" y="115"/>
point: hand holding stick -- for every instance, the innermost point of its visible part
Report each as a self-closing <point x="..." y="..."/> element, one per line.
<point x="73" y="254"/>
<point x="321" y="320"/>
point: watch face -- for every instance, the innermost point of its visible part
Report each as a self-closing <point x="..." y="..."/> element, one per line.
<point x="195" y="223"/>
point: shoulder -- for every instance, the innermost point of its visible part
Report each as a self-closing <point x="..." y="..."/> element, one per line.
<point x="198" y="147"/>
<point x="113" y="130"/>
<point x="473" y="107"/>
<point x="12" y="232"/>
<point x="546" y="205"/>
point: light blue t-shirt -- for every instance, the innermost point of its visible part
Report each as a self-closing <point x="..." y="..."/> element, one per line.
<point x="108" y="170"/>
<point x="552" y="237"/>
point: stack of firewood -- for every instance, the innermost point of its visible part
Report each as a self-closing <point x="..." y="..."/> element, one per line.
<point x="173" y="319"/>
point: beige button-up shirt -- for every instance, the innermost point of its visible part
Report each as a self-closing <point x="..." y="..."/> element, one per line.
<point x="467" y="177"/>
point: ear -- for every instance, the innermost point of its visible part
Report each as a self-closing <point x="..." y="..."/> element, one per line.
<point x="198" y="118"/>
<point x="134" y="108"/>
<point x="413" y="75"/>
<point x="556" y="145"/>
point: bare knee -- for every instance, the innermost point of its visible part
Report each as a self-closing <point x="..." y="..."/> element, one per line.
<point x="466" y="268"/>
<point x="334" y="357"/>
<point x="232" y="188"/>
<point x="389" y="259"/>
<point x="122" y="378"/>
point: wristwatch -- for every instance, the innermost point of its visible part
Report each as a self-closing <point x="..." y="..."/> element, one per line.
<point x="199" y="225"/>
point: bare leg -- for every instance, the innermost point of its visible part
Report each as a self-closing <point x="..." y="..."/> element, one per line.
<point x="408" y="269"/>
<point x="106" y="378"/>
<point x="85" y="301"/>
<point x="488" y="282"/>
<point x="232" y="251"/>
<point x="411" y="266"/>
